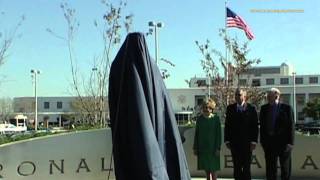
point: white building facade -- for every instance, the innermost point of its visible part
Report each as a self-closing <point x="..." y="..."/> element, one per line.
<point x="305" y="87"/>
<point x="185" y="100"/>
<point x="293" y="87"/>
<point x="50" y="109"/>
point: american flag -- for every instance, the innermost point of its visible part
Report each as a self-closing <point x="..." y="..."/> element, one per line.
<point x="233" y="20"/>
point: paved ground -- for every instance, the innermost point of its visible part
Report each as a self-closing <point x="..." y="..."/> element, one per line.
<point x="218" y="179"/>
<point x="198" y="178"/>
<point x="205" y="179"/>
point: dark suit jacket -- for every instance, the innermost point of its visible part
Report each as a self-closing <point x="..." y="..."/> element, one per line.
<point x="241" y="127"/>
<point x="284" y="126"/>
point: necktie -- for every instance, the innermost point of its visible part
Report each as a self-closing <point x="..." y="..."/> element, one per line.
<point x="274" y="114"/>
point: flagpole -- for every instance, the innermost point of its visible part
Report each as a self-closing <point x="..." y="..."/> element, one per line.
<point x="226" y="74"/>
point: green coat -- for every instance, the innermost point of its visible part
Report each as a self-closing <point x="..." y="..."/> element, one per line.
<point x="207" y="141"/>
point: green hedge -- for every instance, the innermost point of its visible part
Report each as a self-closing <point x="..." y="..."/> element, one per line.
<point x="7" y="138"/>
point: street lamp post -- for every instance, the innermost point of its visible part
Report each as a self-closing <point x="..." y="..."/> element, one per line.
<point x="155" y="26"/>
<point x="294" y="96"/>
<point x="34" y="75"/>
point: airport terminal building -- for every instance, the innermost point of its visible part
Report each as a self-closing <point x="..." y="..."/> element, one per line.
<point x="185" y="100"/>
<point x="305" y="87"/>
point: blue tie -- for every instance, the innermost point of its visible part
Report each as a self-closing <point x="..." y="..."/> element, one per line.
<point x="274" y="114"/>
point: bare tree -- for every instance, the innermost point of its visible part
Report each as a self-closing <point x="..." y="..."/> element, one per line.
<point x="91" y="91"/>
<point x="6" y="109"/>
<point x="212" y="59"/>
<point x="219" y="91"/>
<point x="240" y="63"/>
<point x="164" y="70"/>
<point x="6" y="40"/>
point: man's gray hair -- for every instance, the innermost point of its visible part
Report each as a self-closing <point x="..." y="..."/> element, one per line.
<point x="275" y="91"/>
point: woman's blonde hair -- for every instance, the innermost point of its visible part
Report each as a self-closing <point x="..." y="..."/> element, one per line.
<point x="209" y="103"/>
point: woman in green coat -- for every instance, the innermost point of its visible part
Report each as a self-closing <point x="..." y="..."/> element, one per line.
<point x="207" y="140"/>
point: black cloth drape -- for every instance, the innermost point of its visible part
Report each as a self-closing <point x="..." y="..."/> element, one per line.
<point x="146" y="140"/>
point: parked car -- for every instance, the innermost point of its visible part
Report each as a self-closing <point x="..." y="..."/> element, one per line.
<point x="311" y="128"/>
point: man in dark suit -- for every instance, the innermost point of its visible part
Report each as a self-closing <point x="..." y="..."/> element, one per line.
<point x="276" y="135"/>
<point x="241" y="134"/>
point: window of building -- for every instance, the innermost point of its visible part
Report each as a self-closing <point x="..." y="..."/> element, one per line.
<point x="299" y="80"/>
<point x="313" y="80"/>
<point x="258" y="71"/>
<point x="183" y="117"/>
<point x="284" y="80"/>
<point x="300" y="99"/>
<point x="46" y="105"/>
<point x="270" y="81"/>
<point x="242" y="82"/>
<point x="199" y="100"/>
<point x="59" y="105"/>
<point x="255" y="82"/>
